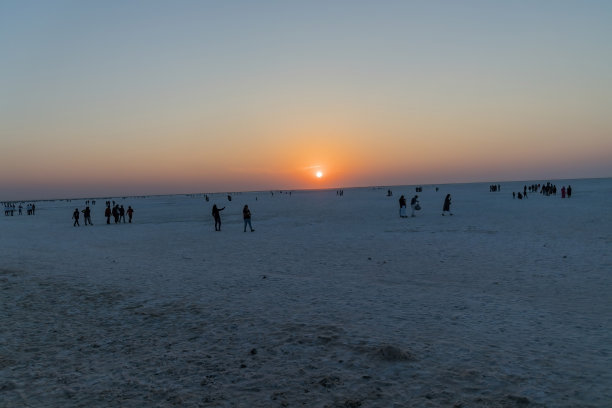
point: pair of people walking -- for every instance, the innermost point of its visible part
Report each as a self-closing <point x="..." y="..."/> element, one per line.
<point x="246" y="215"/>
<point x="86" y="216"/>
<point x="414" y="205"/>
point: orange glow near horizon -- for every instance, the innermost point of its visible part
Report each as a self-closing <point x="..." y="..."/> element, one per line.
<point x="265" y="153"/>
<point x="152" y="110"/>
<point x="316" y="156"/>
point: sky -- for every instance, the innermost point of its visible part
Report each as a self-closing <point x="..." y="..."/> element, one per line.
<point x="162" y="97"/>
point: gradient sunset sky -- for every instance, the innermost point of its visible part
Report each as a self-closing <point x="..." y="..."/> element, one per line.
<point x="110" y="98"/>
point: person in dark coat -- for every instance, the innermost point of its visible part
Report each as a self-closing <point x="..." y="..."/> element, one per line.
<point x="87" y="216"/>
<point x="116" y="213"/>
<point x="402" y="204"/>
<point x="107" y="213"/>
<point x="121" y="214"/>
<point x="130" y="213"/>
<point x="217" y="216"/>
<point x="446" y="206"/>
<point x="246" y="214"/>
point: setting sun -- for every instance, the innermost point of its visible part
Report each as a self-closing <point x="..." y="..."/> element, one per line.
<point x="319" y="174"/>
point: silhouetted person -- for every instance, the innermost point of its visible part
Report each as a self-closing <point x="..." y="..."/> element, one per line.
<point x="446" y="206"/>
<point x="75" y="217"/>
<point x="569" y="191"/>
<point x="130" y="212"/>
<point x="216" y="214"/>
<point x="402" y="204"/>
<point x="87" y="216"/>
<point x="116" y="213"/>
<point x="246" y="214"/>
<point x="108" y="213"/>
<point x="121" y="214"/>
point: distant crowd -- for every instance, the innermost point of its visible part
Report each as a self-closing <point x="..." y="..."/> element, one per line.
<point x="11" y="208"/>
<point x="547" y="189"/>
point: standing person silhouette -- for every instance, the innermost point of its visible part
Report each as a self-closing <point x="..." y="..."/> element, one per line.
<point x="246" y="214"/>
<point x="115" y="213"/>
<point x="216" y="214"/>
<point x="107" y="213"/>
<point x="130" y="213"/>
<point x="402" y="204"/>
<point x="446" y="206"/>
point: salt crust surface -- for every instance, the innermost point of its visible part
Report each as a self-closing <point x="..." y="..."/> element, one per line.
<point x="331" y="302"/>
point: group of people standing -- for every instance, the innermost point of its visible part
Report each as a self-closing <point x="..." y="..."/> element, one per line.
<point x="117" y="212"/>
<point x="551" y="189"/>
<point x="547" y="189"/>
<point x="10" y="208"/>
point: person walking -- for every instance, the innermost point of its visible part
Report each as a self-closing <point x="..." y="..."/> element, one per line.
<point x="402" y="204"/>
<point x="130" y="212"/>
<point x="75" y="217"/>
<point x="414" y="204"/>
<point x="121" y="214"/>
<point x="246" y="214"/>
<point x="216" y="213"/>
<point x="446" y="206"/>
<point x="87" y="215"/>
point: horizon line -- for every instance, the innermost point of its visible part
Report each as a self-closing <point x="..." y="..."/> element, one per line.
<point x="292" y="189"/>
